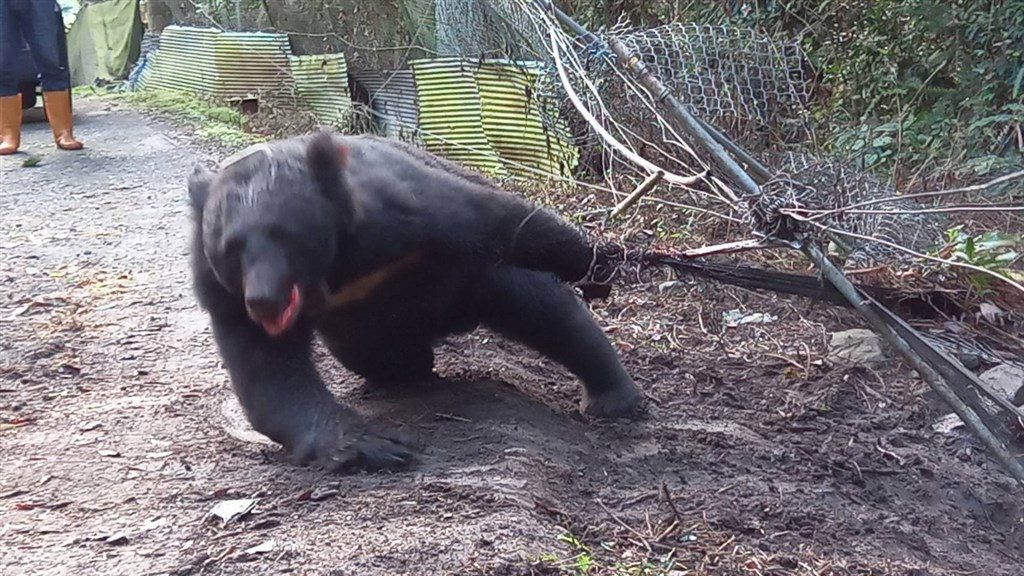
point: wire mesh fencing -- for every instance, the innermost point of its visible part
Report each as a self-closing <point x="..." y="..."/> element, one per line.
<point x="754" y="89"/>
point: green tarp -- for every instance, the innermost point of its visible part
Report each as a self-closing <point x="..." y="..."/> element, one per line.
<point x="104" y="40"/>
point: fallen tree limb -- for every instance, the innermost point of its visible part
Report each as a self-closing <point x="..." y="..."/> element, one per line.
<point x="729" y="248"/>
<point x="759" y="279"/>
<point x="984" y="427"/>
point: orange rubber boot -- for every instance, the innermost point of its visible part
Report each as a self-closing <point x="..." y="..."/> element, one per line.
<point x="10" y="124"/>
<point x="58" y="112"/>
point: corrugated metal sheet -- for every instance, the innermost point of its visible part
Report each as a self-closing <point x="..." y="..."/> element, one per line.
<point x="221" y="64"/>
<point x="451" y="120"/>
<point x="394" y="102"/>
<point x="512" y="122"/>
<point x="321" y="81"/>
<point x="485" y="115"/>
<point x="480" y="114"/>
<point x="144" y="64"/>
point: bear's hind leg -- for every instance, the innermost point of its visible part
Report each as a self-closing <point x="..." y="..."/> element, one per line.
<point x="537" y="310"/>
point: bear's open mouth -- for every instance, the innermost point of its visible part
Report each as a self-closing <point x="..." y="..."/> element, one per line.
<point x="283" y="321"/>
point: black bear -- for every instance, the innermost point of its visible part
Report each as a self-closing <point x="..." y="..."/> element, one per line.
<point x="381" y="249"/>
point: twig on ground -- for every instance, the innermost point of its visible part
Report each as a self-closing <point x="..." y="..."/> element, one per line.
<point x="671" y="503"/>
<point x="633" y="531"/>
<point x="644" y="187"/>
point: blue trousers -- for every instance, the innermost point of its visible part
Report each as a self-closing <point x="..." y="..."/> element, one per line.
<point x="37" y="25"/>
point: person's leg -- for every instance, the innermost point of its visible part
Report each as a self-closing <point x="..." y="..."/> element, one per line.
<point x="10" y="92"/>
<point x="44" y="33"/>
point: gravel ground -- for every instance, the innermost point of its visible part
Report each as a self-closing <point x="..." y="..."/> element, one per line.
<point x="119" y="435"/>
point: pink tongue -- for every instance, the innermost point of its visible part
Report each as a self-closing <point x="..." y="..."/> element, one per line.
<point x="284" y="320"/>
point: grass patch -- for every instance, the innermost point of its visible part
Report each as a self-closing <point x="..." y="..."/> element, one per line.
<point x="582" y="561"/>
<point x="211" y="121"/>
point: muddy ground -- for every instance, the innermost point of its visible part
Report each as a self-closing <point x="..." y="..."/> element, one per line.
<point x="118" y="433"/>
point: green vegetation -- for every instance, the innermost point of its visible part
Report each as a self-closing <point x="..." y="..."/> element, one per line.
<point x="212" y="121"/>
<point x="925" y="86"/>
<point x="581" y="561"/>
<point x="994" y="251"/>
<point x="920" y="91"/>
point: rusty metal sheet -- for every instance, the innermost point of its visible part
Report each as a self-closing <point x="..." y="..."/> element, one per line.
<point x="513" y="123"/>
<point x="393" y="99"/>
<point x="451" y="122"/>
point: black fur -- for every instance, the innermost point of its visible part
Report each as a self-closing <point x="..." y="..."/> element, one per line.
<point x="323" y="211"/>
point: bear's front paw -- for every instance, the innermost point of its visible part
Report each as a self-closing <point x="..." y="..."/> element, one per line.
<point x="346" y="446"/>
<point x="368" y="452"/>
<point x="623" y="400"/>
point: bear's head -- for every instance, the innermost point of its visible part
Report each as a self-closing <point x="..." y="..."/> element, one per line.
<point x="271" y="220"/>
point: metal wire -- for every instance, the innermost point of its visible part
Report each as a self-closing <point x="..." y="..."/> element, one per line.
<point x="750" y="85"/>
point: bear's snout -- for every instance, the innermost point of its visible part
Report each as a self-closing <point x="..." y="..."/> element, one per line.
<point x="276" y="315"/>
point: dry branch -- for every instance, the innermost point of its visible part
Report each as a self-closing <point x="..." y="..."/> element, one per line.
<point x="644" y="187"/>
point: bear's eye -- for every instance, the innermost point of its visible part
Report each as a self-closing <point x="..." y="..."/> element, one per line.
<point x="279" y="235"/>
<point x="227" y="263"/>
<point x="233" y="247"/>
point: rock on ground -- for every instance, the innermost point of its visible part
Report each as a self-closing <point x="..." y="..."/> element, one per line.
<point x="857" y="347"/>
<point x="1006" y="379"/>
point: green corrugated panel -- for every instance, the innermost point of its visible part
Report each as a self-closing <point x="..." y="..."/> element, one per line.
<point x="512" y="122"/>
<point x="490" y="107"/>
<point x="450" y="114"/>
<point x="321" y="81"/>
<point x="221" y="64"/>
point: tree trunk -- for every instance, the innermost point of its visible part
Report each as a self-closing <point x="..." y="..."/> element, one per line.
<point x="353" y="27"/>
<point x="158" y="15"/>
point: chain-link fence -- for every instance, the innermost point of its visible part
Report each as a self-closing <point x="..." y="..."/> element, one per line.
<point x="752" y="87"/>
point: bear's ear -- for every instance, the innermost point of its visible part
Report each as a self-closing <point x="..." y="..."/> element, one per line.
<point x="199" y="187"/>
<point x="327" y="159"/>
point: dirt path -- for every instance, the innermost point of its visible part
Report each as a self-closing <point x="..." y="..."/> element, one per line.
<point x="114" y="419"/>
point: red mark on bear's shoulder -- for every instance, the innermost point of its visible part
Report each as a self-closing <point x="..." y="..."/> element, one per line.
<point x="342" y="155"/>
